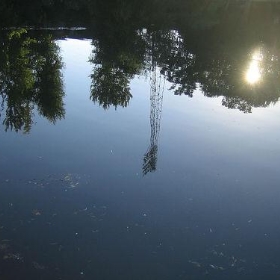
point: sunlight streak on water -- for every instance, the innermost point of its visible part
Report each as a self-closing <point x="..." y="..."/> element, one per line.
<point x="253" y="74"/>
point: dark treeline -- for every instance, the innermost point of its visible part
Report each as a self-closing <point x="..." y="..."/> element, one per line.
<point x="85" y="12"/>
<point x="198" y="13"/>
<point x="76" y="12"/>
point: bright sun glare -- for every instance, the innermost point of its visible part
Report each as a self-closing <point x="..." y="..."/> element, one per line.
<point x="253" y="74"/>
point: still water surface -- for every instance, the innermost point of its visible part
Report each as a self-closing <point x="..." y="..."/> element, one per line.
<point x="169" y="187"/>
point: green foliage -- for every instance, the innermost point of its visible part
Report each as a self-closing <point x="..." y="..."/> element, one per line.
<point x="110" y="87"/>
<point x="211" y="59"/>
<point x="194" y="43"/>
<point x="30" y="76"/>
<point x="49" y="86"/>
<point x="114" y="67"/>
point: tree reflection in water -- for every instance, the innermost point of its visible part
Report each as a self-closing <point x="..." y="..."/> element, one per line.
<point x="213" y="49"/>
<point x="210" y="49"/>
<point x="190" y="44"/>
<point x="213" y="57"/>
<point x="190" y="53"/>
<point x="30" y="76"/>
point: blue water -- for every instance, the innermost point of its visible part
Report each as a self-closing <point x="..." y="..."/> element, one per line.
<point x="74" y="203"/>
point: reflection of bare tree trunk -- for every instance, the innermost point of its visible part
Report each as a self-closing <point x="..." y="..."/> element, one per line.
<point x="156" y="98"/>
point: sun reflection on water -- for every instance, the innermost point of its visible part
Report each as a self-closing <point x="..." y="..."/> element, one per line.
<point x="253" y="73"/>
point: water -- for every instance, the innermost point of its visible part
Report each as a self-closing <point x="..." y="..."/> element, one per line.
<point x="107" y="174"/>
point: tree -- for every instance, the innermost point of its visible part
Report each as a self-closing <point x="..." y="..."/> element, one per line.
<point x="29" y="76"/>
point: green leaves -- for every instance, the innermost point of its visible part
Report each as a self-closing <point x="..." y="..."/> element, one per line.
<point x="30" y="76"/>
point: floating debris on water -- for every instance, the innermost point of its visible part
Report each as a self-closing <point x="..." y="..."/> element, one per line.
<point x="11" y="256"/>
<point x="234" y="260"/>
<point x="38" y="266"/>
<point x="197" y="264"/>
<point x="213" y="266"/>
<point x="36" y="212"/>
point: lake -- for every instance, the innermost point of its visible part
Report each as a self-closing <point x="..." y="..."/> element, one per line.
<point x="142" y="148"/>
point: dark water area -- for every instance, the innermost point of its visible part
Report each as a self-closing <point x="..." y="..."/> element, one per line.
<point x="139" y="140"/>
